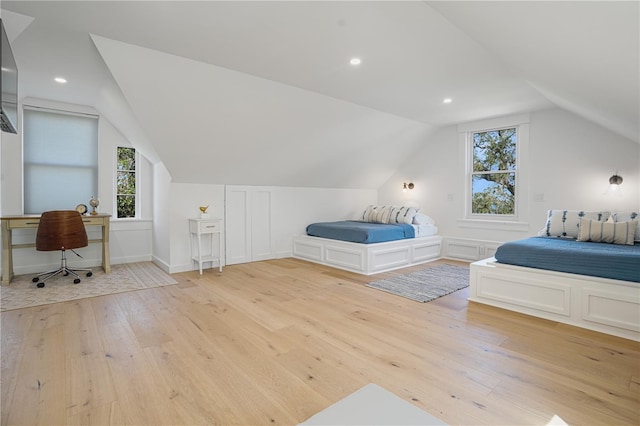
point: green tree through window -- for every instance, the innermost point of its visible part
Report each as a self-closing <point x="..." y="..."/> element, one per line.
<point x="126" y="182"/>
<point x="493" y="185"/>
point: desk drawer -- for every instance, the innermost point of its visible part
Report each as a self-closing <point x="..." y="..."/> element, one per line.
<point x="205" y="226"/>
<point x="97" y="221"/>
<point x="209" y="227"/>
<point x="24" y="223"/>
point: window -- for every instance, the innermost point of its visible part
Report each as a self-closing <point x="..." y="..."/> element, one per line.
<point x="60" y="159"/>
<point x="493" y="172"/>
<point x="126" y="182"/>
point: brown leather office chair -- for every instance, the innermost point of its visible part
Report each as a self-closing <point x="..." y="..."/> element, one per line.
<point x="61" y="230"/>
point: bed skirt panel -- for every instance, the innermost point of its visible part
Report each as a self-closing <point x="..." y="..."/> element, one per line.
<point x="367" y="258"/>
<point x="599" y="304"/>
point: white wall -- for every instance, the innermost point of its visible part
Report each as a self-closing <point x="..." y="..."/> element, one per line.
<point x="161" y="212"/>
<point x="130" y="240"/>
<point x="293" y="210"/>
<point x="571" y="160"/>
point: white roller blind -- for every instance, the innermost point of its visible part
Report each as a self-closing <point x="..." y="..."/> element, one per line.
<point x="60" y="160"/>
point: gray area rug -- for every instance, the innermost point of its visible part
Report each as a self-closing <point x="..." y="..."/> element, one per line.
<point x="427" y="284"/>
<point x="22" y="293"/>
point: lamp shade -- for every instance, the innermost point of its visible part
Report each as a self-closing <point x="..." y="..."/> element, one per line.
<point x="615" y="180"/>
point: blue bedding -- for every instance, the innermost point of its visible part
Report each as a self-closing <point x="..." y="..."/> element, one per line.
<point x="619" y="262"/>
<point x="361" y="232"/>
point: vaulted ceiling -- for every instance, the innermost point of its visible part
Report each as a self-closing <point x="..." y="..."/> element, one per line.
<point x="263" y="92"/>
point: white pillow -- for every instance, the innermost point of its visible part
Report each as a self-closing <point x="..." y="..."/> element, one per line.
<point x="566" y="223"/>
<point x="367" y="213"/>
<point x="377" y="214"/>
<point x="402" y="214"/>
<point x="605" y="232"/>
<point x="422" y="219"/>
<point x="625" y="217"/>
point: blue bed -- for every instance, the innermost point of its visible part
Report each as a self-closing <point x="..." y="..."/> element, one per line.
<point x="619" y="262"/>
<point x="361" y="232"/>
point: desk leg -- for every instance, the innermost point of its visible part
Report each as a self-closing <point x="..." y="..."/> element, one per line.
<point x="7" y="254"/>
<point x="220" y="251"/>
<point x="106" y="259"/>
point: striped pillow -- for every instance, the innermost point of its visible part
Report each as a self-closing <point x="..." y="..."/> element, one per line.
<point x="380" y="214"/>
<point x="625" y="217"/>
<point x="566" y="223"/>
<point x="605" y="232"/>
<point x="366" y="215"/>
<point x="401" y="214"/>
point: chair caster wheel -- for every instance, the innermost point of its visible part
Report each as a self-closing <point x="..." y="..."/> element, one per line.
<point x="65" y="274"/>
<point x="89" y="273"/>
<point x="40" y="285"/>
<point x="35" y="279"/>
<point x="76" y="281"/>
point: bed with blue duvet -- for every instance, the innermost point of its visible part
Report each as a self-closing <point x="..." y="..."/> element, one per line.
<point x="382" y="238"/>
<point x="361" y="232"/>
<point x="583" y="269"/>
<point x="614" y="261"/>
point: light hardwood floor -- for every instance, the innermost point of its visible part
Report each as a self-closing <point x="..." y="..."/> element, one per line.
<point x="275" y="342"/>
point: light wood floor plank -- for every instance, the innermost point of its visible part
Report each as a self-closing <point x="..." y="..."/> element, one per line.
<point x="274" y="342"/>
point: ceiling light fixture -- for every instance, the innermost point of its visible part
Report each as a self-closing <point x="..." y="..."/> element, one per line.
<point x="60" y="80"/>
<point x="355" y="61"/>
<point x="447" y="100"/>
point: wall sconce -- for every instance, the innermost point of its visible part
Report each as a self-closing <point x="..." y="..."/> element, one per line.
<point x="614" y="185"/>
<point x="615" y="181"/>
<point x="410" y="186"/>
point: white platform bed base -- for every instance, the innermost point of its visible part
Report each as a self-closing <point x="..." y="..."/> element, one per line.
<point x="367" y="258"/>
<point x="600" y="304"/>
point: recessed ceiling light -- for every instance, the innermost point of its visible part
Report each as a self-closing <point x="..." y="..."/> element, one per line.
<point x="447" y="100"/>
<point x="355" y="61"/>
<point x="60" y="80"/>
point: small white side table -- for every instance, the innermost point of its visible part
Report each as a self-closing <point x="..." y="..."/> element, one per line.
<point x="199" y="228"/>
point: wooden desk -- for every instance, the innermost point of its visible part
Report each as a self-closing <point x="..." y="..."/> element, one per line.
<point x="9" y="223"/>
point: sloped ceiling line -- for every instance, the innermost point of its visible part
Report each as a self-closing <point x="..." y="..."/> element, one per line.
<point x="210" y="124"/>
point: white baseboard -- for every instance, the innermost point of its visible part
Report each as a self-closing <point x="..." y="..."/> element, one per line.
<point x="161" y="264"/>
<point x="131" y="259"/>
<point x="72" y="262"/>
<point x="284" y="254"/>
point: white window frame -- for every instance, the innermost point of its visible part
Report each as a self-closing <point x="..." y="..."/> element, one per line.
<point x="517" y="221"/>
<point x="61" y="109"/>
<point x="115" y="185"/>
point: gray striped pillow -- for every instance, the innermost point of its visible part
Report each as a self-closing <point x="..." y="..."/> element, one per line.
<point x="626" y="216"/>
<point x="606" y="232"/>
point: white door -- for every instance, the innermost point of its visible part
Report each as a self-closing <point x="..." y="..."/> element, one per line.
<point x="237" y="224"/>
<point x="261" y="225"/>
<point x="248" y="219"/>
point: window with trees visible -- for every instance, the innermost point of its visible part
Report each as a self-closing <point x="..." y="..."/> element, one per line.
<point x="126" y="183"/>
<point x="493" y="172"/>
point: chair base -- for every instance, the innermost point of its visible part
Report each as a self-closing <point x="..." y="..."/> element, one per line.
<point x="63" y="269"/>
